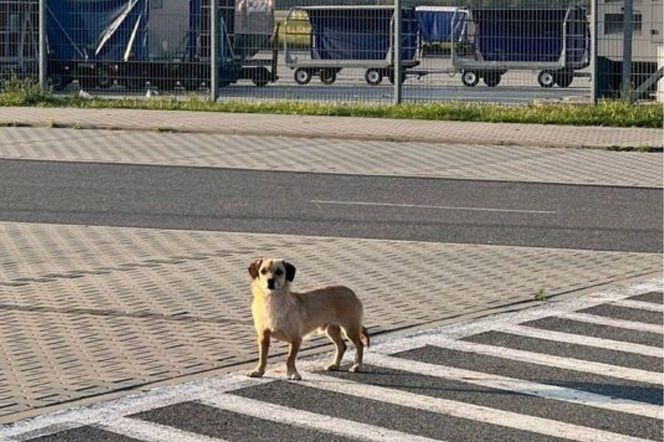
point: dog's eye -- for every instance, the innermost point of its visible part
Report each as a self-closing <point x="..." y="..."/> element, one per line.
<point x="279" y="272"/>
<point x="263" y="271"/>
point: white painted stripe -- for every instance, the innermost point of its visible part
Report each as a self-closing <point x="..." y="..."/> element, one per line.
<point x="551" y="335"/>
<point x="598" y="368"/>
<point x="620" y="323"/>
<point x="306" y="419"/>
<point x="152" y="432"/>
<point x="425" y="206"/>
<point x="521" y="386"/>
<point x="105" y="411"/>
<point x="465" y="410"/>
<point x="650" y="306"/>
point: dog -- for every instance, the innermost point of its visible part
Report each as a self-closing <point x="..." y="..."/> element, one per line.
<point x="289" y="316"/>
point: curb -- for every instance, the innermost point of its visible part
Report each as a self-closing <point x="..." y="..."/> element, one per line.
<point x="77" y="125"/>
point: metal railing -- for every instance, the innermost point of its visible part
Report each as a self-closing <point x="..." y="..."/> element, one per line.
<point x="506" y="51"/>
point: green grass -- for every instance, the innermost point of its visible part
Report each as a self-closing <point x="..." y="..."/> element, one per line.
<point x="615" y="114"/>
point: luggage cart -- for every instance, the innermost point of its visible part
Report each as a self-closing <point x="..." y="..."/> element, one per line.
<point x="257" y="40"/>
<point x="323" y="40"/>
<point x="555" y="42"/>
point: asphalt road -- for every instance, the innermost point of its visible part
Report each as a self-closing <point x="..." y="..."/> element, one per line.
<point x="505" y="213"/>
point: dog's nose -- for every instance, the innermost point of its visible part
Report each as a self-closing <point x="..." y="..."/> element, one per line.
<point x="270" y="283"/>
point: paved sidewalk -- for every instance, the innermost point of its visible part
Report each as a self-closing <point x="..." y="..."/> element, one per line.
<point x="336" y="127"/>
<point x="355" y="157"/>
<point x="93" y="310"/>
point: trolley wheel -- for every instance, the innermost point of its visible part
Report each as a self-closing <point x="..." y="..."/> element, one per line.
<point x="373" y="77"/>
<point x="260" y="76"/>
<point x="546" y="79"/>
<point x="56" y="81"/>
<point x="470" y="78"/>
<point x="302" y="76"/>
<point x="192" y="84"/>
<point x="104" y="80"/>
<point x="492" y="79"/>
<point x="328" y="76"/>
<point x="390" y="75"/>
<point x="563" y="78"/>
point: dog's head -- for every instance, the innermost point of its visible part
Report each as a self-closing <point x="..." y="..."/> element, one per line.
<point x="271" y="275"/>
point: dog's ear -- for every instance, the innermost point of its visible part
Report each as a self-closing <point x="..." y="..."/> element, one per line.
<point x="253" y="268"/>
<point x="290" y="271"/>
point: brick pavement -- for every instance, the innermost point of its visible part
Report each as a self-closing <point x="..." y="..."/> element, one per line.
<point x="337" y="127"/>
<point x="92" y="310"/>
<point x="364" y="157"/>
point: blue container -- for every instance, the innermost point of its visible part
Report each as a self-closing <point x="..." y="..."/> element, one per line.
<point x="97" y="29"/>
<point x="530" y="35"/>
<point x="435" y="23"/>
<point x="360" y="33"/>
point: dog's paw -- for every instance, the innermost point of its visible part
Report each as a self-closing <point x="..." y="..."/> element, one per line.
<point x="332" y="367"/>
<point x="355" y="368"/>
<point x="295" y="376"/>
<point x="255" y="373"/>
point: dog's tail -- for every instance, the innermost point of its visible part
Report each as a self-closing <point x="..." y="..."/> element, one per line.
<point x="364" y="336"/>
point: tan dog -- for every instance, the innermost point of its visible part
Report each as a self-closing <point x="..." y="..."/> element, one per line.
<point x="290" y="316"/>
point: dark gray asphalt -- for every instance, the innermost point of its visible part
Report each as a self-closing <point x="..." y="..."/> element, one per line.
<point x="604" y="385"/>
<point x="582" y="217"/>
<point x="209" y="421"/>
<point x="394" y="417"/>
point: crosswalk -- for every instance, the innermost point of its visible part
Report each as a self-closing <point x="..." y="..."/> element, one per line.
<point x="587" y="369"/>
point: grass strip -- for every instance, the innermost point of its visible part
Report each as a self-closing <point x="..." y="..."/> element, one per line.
<point x="609" y="113"/>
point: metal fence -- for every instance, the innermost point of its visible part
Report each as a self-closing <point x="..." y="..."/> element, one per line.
<point x="507" y="51"/>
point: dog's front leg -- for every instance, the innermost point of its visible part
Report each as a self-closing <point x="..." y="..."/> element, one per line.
<point x="263" y="347"/>
<point x="291" y="371"/>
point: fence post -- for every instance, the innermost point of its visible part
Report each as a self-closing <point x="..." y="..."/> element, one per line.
<point x="397" y="68"/>
<point x="214" y="50"/>
<point x="43" y="49"/>
<point x="594" y="32"/>
<point x="628" y="28"/>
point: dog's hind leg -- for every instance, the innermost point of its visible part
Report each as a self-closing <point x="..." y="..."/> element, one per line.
<point x="355" y="336"/>
<point x="333" y="331"/>
<point x="291" y="371"/>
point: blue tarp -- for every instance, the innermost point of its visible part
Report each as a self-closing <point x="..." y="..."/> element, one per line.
<point x="97" y="29"/>
<point x="435" y="24"/>
<point x="533" y="35"/>
<point x="360" y="33"/>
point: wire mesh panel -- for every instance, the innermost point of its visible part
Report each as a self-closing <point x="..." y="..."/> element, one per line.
<point x="137" y="46"/>
<point x="506" y="51"/>
<point x="630" y="52"/>
<point x="19" y="40"/>
<point x="306" y="50"/>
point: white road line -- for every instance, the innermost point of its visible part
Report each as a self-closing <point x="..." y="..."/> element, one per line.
<point x="426" y="206"/>
<point x="590" y="341"/>
<point x="152" y="432"/>
<point x="650" y="306"/>
<point x="306" y="419"/>
<point x="105" y="411"/>
<point x="521" y="386"/>
<point x="620" y="323"/>
<point x="466" y="410"/>
<point x="598" y="368"/>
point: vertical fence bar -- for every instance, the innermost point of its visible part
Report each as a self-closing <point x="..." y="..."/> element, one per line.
<point x="594" y="32"/>
<point x="628" y="28"/>
<point x="43" y="50"/>
<point x="214" y="50"/>
<point x="397" y="68"/>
